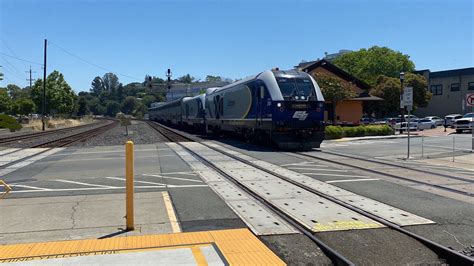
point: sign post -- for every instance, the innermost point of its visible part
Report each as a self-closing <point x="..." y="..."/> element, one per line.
<point x="408" y="102"/>
<point x="470" y="102"/>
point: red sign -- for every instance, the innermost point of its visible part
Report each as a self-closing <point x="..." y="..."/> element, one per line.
<point x="470" y="99"/>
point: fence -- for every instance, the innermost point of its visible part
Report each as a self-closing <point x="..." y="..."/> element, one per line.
<point x="446" y="146"/>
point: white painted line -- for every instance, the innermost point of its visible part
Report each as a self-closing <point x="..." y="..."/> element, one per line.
<point x="30" y="187"/>
<point x="8" y="150"/>
<point x="352" y="180"/>
<point x="98" y="188"/>
<point x="84" y="184"/>
<point x="99" y="152"/>
<point x="324" y="174"/>
<point x="317" y="169"/>
<point x="136" y="181"/>
<point x="307" y="163"/>
<point x="114" y="158"/>
<point x="176" y="178"/>
<point x="181" y="173"/>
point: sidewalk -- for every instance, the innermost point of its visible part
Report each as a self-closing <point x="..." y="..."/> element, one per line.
<point x="461" y="161"/>
<point x="436" y="132"/>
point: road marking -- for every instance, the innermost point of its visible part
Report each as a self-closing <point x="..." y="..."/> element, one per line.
<point x="171" y="214"/>
<point x="31" y="187"/>
<point x="324" y="174"/>
<point x="198" y="256"/>
<point x="352" y="180"/>
<point x="181" y="173"/>
<point x="171" y="177"/>
<point x="104" y="159"/>
<point x="100" y="188"/>
<point x="317" y="169"/>
<point x="98" y="152"/>
<point x="136" y="181"/>
<point x="84" y="184"/>
<point x="303" y="164"/>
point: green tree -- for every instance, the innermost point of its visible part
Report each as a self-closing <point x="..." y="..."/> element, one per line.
<point x="140" y="110"/>
<point x="210" y="78"/>
<point x="112" y="108"/>
<point x="59" y="95"/>
<point x="120" y="93"/>
<point x="389" y="89"/>
<point x="14" y="91"/>
<point x="148" y="99"/>
<point x="82" y="106"/>
<point x="23" y="107"/>
<point x="186" y="79"/>
<point x="334" y="91"/>
<point x="5" y="101"/>
<point x="128" y="105"/>
<point x="97" y="86"/>
<point x="368" y="64"/>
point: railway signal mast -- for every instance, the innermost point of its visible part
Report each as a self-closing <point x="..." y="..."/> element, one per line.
<point x="169" y="75"/>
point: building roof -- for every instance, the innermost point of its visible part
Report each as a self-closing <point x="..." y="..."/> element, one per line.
<point x="336" y="70"/>
<point x="448" y="73"/>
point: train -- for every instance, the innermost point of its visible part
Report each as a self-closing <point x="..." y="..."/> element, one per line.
<point x="283" y="107"/>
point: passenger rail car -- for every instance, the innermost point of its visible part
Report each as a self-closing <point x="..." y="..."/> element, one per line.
<point x="286" y="107"/>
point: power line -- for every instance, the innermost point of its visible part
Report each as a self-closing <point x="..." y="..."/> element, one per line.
<point x="92" y="64"/>
<point x="11" y="50"/>
<point x="17" y="58"/>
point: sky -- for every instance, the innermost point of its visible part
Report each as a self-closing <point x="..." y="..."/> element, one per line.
<point x="233" y="39"/>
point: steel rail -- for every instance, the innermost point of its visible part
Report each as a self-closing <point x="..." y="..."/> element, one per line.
<point x="452" y="257"/>
<point x="453" y="190"/>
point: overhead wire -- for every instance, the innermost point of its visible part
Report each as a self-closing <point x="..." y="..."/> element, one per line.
<point x="92" y="64"/>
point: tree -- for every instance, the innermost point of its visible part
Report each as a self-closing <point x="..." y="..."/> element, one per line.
<point x="120" y="93"/>
<point x="82" y="106"/>
<point x="59" y="95"/>
<point x="186" y="79"/>
<point x="128" y="105"/>
<point x="148" y="99"/>
<point x="368" y="64"/>
<point x="334" y="91"/>
<point x="97" y="86"/>
<point x="210" y="78"/>
<point x="389" y="89"/>
<point x="5" y="101"/>
<point x="14" y="91"/>
<point x="140" y="110"/>
<point x="113" y="107"/>
<point x="23" y="107"/>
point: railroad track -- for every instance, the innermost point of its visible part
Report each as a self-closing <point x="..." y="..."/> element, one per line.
<point x="340" y="158"/>
<point x="168" y="133"/>
<point x="62" y="142"/>
<point x="451" y="256"/>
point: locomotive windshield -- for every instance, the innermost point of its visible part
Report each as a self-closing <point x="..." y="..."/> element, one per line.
<point x="291" y="87"/>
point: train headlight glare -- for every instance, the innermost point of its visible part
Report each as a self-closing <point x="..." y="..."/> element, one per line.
<point x="296" y="97"/>
<point x="278" y="104"/>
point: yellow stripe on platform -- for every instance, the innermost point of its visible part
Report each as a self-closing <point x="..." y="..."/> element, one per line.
<point x="171" y="213"/>
<point x="238" y="246"/>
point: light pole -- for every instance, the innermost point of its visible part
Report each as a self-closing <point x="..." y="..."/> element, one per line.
<point x="169" y="75"/>
<point x="402" y="117"/>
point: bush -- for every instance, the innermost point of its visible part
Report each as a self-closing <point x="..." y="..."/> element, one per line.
<point x="9" y="122"/>
<point x="334" y="132"/>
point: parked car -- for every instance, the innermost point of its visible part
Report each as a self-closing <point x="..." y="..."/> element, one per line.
<point x="426" y="123"/>
<point x="366" y="120"/>
<point x="403" y="126"/>
<point x="437" y="120"/>
<point x="392" y="121"/>
<point x="464" y="123"/>
<point x="451" y="118"/>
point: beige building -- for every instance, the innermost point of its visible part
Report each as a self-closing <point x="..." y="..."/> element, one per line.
<point x="449" y="90"/>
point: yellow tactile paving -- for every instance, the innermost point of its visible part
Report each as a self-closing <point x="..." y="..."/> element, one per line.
<point x="238" y="246"/>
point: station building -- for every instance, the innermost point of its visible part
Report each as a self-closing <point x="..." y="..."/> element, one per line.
<point x="449" y="89"/>
<point x="349" y="111"/>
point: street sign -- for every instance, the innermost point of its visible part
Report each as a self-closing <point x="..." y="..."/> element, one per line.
<point x="408" y="96"/>
<point x="470" y="99"/>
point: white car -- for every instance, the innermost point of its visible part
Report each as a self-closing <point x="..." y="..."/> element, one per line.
<point x="451" y="118"/>
<point x="437" y="120"/>
<point x="403" y="126"/>
<point x="464" y="123"/>
<point x="426" y="123"/>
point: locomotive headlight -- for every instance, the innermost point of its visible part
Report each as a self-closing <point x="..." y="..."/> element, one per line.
<point x="278" y="105"/>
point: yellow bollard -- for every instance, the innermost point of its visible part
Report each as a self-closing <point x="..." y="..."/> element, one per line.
<point x="129" y="184"/>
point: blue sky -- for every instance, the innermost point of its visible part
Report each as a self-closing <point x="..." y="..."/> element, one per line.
<point x="227" y="38"/>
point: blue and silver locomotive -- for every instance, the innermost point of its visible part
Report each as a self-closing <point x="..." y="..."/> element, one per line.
<point x="285" y="107"/>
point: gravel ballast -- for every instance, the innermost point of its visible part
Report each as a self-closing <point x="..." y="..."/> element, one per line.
<point x="139" y="132"/>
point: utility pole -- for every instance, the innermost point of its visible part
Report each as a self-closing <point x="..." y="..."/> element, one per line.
<point x="30" y="79"/>
<point x="43" y="104"/>
<point x="169" y="75"/>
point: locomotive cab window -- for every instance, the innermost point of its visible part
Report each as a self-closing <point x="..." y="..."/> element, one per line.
<point x="296" y="87"/>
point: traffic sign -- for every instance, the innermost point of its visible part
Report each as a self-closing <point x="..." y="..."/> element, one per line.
<point x="408" y="96"/>
<point x="470" y="99"/>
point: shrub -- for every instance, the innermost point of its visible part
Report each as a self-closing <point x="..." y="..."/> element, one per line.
<point x="9" y="122"/>
<point x="334" y="132"/>
<point x="357" y="131"/>
<point x="378" y="130"/>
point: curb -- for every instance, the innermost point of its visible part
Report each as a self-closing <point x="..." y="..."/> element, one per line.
<point x="372" y="138"/>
